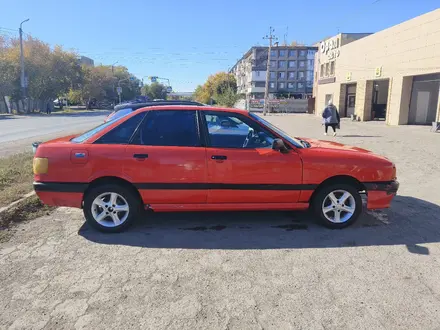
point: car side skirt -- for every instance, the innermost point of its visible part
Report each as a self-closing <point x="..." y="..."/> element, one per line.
<point x="227" y="207"/>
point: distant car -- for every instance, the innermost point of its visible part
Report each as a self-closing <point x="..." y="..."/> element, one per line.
<point x="121" y="110"/>
<point x="178" y="158"/>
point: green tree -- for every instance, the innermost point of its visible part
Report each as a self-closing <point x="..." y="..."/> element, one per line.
<point x="155" y="91"/>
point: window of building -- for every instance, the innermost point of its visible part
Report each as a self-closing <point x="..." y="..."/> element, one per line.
<point x="293" y="53"/>
<point x="292" y="64"/>
<point x="281" y="64"/>
<point x="257" y="73"/>
<point x="282" y="53"/>
<point x="311" y="63"/>
<point x="272" y="85"/>
<point x="327" y="69"/>
<point x="272" y="75"/>
<point x="332" y="68"/>
<point x="122" y="134"/>
<point x="260" y="84"/>
<point x="302" y="64"/>
<point x="273" y="64"/>
<point x="309" y="75"/>
<point x="311" y="52"/>
<point x="292" y="75"/>
<point x="321" y="72"/>
<point x="291" y="85"/>
<point x="273" y="53"/>
<point x="300" y="74"/>
<point x="300" y="85"/>
<point x="281" y="75"/>
<point x="226" y="131"/>
<point x="281" y="85"/>
<point x="169" y="128"/>
<point x="302" y="53"/>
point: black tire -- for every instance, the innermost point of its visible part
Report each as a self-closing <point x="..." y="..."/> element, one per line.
<point x="128" y="194"/>
<point x="318" y="200"/>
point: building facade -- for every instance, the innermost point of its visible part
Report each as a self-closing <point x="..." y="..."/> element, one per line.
<point x="290" y="74"/>
<point x="391" y="75"/>
<point x="84" y="60"/>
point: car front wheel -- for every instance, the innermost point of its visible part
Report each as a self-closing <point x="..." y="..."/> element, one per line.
<point x="337" y="205"/>
<point x="110" y="208"/>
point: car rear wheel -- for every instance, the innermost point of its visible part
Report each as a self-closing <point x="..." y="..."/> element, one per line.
<point x="111" y="208"/>
<point x="337" y="205"/>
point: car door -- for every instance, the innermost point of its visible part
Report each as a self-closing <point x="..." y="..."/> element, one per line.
<point x="243" y="167"/>
<point x="165" y="159"/>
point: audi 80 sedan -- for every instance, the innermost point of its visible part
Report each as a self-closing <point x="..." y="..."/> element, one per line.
<point x="196" y="158"/>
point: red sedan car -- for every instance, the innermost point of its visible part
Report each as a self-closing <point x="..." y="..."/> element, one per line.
<point x="192" y="158"/>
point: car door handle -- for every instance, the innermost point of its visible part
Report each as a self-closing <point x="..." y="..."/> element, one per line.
<point x="140" y="156"/>
<point x="219" y="157"/>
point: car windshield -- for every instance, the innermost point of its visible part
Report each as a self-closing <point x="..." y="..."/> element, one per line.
<point x="85" y="136"/>
<point x="297" y="143"/>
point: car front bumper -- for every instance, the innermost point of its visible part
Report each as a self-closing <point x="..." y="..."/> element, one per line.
<point x="380" y="194"/>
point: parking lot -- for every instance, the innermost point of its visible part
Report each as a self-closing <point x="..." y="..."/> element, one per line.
<point x="250" y="270"/>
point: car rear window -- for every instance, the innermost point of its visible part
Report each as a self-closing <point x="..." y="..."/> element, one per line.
<point x="85" y="136"/>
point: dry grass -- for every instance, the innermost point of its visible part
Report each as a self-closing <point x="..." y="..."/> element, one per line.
<point x="16" y="177"/>
<point x="28" y="209"/>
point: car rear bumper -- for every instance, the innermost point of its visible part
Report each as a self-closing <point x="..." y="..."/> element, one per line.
<point x="60" y="194"/>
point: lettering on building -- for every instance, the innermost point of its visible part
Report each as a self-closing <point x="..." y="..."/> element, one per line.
<point x="330" y="48"/>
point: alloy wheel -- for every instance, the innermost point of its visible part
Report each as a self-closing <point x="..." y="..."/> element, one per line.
<point x="339" y="206"/>
<point x="110" y="209"/>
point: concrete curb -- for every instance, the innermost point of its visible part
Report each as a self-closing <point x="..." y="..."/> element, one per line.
<point x="5" y="208"/>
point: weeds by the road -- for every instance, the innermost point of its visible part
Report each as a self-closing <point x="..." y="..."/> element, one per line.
<point x="28" y="209"/>
<point x="15" y="177"/>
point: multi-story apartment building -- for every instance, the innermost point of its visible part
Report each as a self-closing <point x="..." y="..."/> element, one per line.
<point x="290" y="73"/>
<point x="84" y="60"/>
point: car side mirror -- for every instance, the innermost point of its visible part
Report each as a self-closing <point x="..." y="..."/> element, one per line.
<point x="278" y="145"/>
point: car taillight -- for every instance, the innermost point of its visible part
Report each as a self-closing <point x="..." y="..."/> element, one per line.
<point x="394" y="173"/>
<point x="40" y="165"/>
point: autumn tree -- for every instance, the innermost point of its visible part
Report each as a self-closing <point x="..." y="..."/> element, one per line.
<point x="52" y="72"/>
<point x="221" y="88"/>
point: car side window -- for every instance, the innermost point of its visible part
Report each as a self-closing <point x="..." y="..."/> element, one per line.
<point x="169" y="128"/>
<point x="122" y="133"/>
<point x="229" y="130"/>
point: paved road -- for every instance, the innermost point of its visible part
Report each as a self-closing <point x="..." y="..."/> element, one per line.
<point x="18" y="132"/>
<point x="251" y="270"/>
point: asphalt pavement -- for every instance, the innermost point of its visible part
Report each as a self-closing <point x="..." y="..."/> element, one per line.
<point x="18" y="132"/>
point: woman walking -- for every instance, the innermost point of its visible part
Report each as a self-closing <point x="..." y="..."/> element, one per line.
<point x="331" y="118"/>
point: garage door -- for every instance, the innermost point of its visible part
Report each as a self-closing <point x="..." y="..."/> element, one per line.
<point x="424" y="99"/>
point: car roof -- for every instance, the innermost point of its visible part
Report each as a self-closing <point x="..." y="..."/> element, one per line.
<point x="135" y="106"/>
<point x="192" y="107"/>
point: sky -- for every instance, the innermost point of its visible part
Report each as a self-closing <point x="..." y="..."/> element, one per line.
<point x="187" y="40"/>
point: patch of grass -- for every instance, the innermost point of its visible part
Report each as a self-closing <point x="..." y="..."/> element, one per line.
<point x="16" y="177"/>
<point x="28" y="209"/>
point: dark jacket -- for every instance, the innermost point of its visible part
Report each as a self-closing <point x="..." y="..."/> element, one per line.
<point x="331" y="115"/>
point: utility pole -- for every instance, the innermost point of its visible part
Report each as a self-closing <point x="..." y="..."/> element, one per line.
<point x="113" y="75"/>
<point x="270" y="37"/>
<point x="22" y="76"/>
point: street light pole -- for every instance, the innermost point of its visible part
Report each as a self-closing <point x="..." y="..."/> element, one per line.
<point x="22" y="76"/>
<point x="113" y="66"/>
